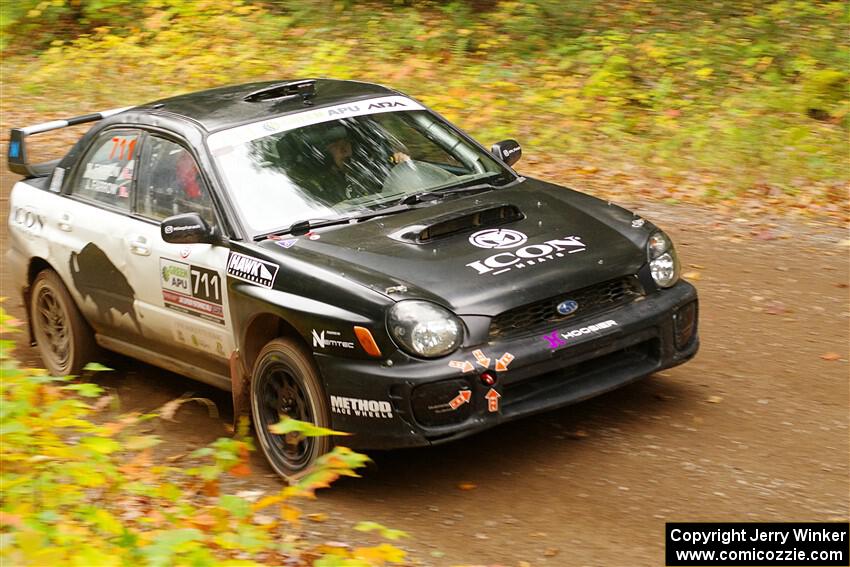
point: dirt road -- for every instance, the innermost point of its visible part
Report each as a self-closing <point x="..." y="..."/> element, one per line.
<point x="755" y="428"/>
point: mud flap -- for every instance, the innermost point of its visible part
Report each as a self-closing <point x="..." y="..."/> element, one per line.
<point x="240" y="390"/>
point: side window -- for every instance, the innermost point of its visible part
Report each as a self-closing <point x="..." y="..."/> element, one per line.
<point x="170" y="182"/>
<point x="106" y="175"/>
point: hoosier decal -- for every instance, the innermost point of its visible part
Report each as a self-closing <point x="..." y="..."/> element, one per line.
<point x="558" y="339"/>
<point x="252" y="270"/>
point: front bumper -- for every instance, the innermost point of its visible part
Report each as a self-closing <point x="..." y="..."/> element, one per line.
<point x="561" y="366"/>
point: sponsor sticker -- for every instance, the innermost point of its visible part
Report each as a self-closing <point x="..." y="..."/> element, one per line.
<point x="559" y="339"/>
<point x="498" y="238"/>
<point x="481" y="358"/>
<point x="463" y="397"/>
<point x="242" y="134"/>
<point x="288" y="243"/>
<point x="108" y="178"/>
<point x="28" y="219"/>
<point x="322" y="339"/>
<point x="510" y="152"/>
<point x="505" y="361"/>
<point x="191" y="290"/>
<point x="492" y="397"/>
<point x="199" y="338"/>
<point x="252" y="270"/>
<point x="361" y="408"/>
<point x="56" y="181"/>
<point x="525" y="257"/>
<point x="462" y="365"/>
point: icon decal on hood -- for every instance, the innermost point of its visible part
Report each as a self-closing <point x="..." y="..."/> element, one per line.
<point x="497" y="238"/>
<point x="528" y="255"/>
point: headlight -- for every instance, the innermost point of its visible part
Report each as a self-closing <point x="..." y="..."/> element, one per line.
<point x="663" y="263"/>
<point x="424" y="329"/>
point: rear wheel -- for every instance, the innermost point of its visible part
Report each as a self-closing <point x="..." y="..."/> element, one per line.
<point x="285" y="382"/>
<point x="64" y="339"/>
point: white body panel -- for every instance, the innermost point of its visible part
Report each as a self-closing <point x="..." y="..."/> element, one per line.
<point x="114" y="265"/>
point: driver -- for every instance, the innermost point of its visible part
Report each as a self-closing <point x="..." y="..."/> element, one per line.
<point x="344" y="171"/>
<point x="341" y="173"/>
<point x="338" y="163"/>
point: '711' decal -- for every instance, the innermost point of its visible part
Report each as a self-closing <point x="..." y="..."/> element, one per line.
<point x="191" y="290"/>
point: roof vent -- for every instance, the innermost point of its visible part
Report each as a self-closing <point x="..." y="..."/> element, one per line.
<point x="305" y="89"/>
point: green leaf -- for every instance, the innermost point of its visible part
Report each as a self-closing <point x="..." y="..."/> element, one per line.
<point x="102" y="445"/>
<point x="85" y="389"/>
<point x="96" y="367"/>
<point x="238" y="507"/>
<point x="289" y="425"/>
<point x="202" y="452"/>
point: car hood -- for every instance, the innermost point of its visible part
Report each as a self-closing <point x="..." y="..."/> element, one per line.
<point x="562" y="241"/>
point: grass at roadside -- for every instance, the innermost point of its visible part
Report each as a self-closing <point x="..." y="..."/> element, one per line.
<point x="738" y="102"/>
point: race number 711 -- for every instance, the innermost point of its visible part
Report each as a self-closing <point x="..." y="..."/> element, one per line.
<point x="206" y="285"/>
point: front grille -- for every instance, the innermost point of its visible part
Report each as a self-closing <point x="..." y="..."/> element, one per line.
<point x="534" y="317"/>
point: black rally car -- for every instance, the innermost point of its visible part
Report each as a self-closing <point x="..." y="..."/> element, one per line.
<point x="336" y="252"/>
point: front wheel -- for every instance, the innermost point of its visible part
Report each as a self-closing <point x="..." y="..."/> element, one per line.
<point x="285" y="382"/>
<point x="64" y="339"/>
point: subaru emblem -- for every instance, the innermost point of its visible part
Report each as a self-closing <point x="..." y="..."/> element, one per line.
<point x="567" y="307"/>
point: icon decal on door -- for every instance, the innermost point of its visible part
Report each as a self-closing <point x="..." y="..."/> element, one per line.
<point x="191" y="290"/>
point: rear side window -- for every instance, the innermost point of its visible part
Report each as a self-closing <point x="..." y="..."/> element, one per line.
<point x="170" y="182"/>
<point x="106" y="174"/>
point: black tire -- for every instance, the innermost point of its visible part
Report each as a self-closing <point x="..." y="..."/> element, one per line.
<point x="65" y="340"/>
<point x="285" y="381"/>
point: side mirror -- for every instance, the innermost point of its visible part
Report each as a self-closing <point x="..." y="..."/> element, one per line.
<point x="188" y="228"/>
<point x="509" y="151"/>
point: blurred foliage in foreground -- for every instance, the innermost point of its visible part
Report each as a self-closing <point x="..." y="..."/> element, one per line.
<point x="81" y="486"/>
<point x="725" y="97"/>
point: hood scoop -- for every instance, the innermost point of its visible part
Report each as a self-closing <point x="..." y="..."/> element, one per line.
<point x="456" y="222"/>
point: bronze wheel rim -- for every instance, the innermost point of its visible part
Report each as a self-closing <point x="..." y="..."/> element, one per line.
<point x="52" y="327"/>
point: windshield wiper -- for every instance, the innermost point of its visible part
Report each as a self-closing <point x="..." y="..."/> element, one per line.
<point x="440" y="192"/>
<point x="404" y="204"/>
<point x="437" y="194"/>
<point x="301" y="228"/>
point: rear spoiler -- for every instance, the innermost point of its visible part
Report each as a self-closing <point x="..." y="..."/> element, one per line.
<point x="18" y="149"/>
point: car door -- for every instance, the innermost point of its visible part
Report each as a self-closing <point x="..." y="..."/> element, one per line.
<point x="180" y="287"/>
<point x="88" y="251"/>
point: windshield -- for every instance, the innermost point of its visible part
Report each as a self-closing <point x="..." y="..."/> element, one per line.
<point x="328" y="167"/>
